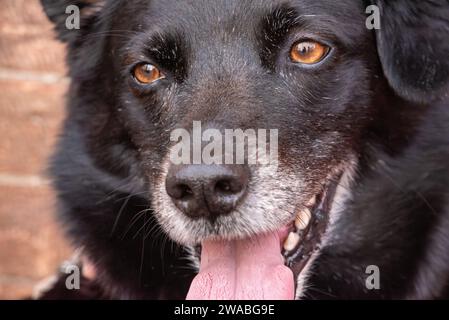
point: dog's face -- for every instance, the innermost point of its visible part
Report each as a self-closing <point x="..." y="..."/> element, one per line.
<point x="297" y="67"/>
<point x="309" y="69"/>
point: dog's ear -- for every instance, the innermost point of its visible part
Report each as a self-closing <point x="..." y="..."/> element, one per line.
<point x="69" y="16"/>
<point x="413" y="46"/>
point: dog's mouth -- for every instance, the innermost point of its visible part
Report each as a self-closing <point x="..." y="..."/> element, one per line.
<point x="266" y="266"/>
<point x="306" y="234"/>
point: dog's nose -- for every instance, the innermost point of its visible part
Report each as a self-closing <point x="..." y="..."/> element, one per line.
<point x="206" y="190"/>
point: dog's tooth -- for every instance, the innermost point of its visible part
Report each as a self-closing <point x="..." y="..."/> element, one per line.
<point x="291" y="242"/>
<point x="302" y="219"/>
<point x="311" y="202"/>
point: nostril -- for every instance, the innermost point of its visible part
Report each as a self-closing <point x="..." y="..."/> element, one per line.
<point x="222" y="186"/>
<point x="227" y="187"/>
<point x="183" y="192"/>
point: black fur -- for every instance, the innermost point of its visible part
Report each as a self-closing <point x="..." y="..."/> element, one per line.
<point x="422" y="72"/>
<point x="384" y="94"/>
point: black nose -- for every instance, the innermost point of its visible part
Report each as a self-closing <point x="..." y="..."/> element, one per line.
<point x="206" y="190"/>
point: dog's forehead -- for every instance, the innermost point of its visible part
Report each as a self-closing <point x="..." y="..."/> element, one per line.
<point x="237" y="16"/>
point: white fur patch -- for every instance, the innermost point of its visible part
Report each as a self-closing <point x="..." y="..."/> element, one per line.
<point x="269" y="189"/>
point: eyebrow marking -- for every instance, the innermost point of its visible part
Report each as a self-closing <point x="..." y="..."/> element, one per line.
<point x="275" y="27"/>
<point x="169" y="51"/>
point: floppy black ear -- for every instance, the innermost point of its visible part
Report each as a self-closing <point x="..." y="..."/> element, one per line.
<point x="63" y="14"/>
<point x="413" y="46"/>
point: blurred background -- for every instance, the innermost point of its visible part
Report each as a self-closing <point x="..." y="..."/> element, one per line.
<point x="32" y="88"/>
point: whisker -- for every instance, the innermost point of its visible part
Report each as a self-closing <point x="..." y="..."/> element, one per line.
<point x="122" y="208"/>
<point x="142" y="256"/>
<point x="145" y="224"/>
<point x="419" y="194"/>
<point x="133" y="221"/>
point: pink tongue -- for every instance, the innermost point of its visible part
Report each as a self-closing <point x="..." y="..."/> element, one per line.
<point x="250" y="269"/>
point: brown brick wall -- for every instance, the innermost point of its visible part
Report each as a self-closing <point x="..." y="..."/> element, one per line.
<point x="32" y="86"/>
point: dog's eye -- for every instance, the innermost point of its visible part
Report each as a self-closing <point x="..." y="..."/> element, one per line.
<point x="145" y="73"/>
<point x="308" y="52"/>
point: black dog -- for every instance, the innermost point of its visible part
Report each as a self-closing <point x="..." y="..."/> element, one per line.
<point x="363" y="147"/>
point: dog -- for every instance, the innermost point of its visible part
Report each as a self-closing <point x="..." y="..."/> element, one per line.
<point x="356" y="205"/>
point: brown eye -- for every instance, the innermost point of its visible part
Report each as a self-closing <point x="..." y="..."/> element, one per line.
<point x="146" y="73"/>
<point x="308" y="52"/>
